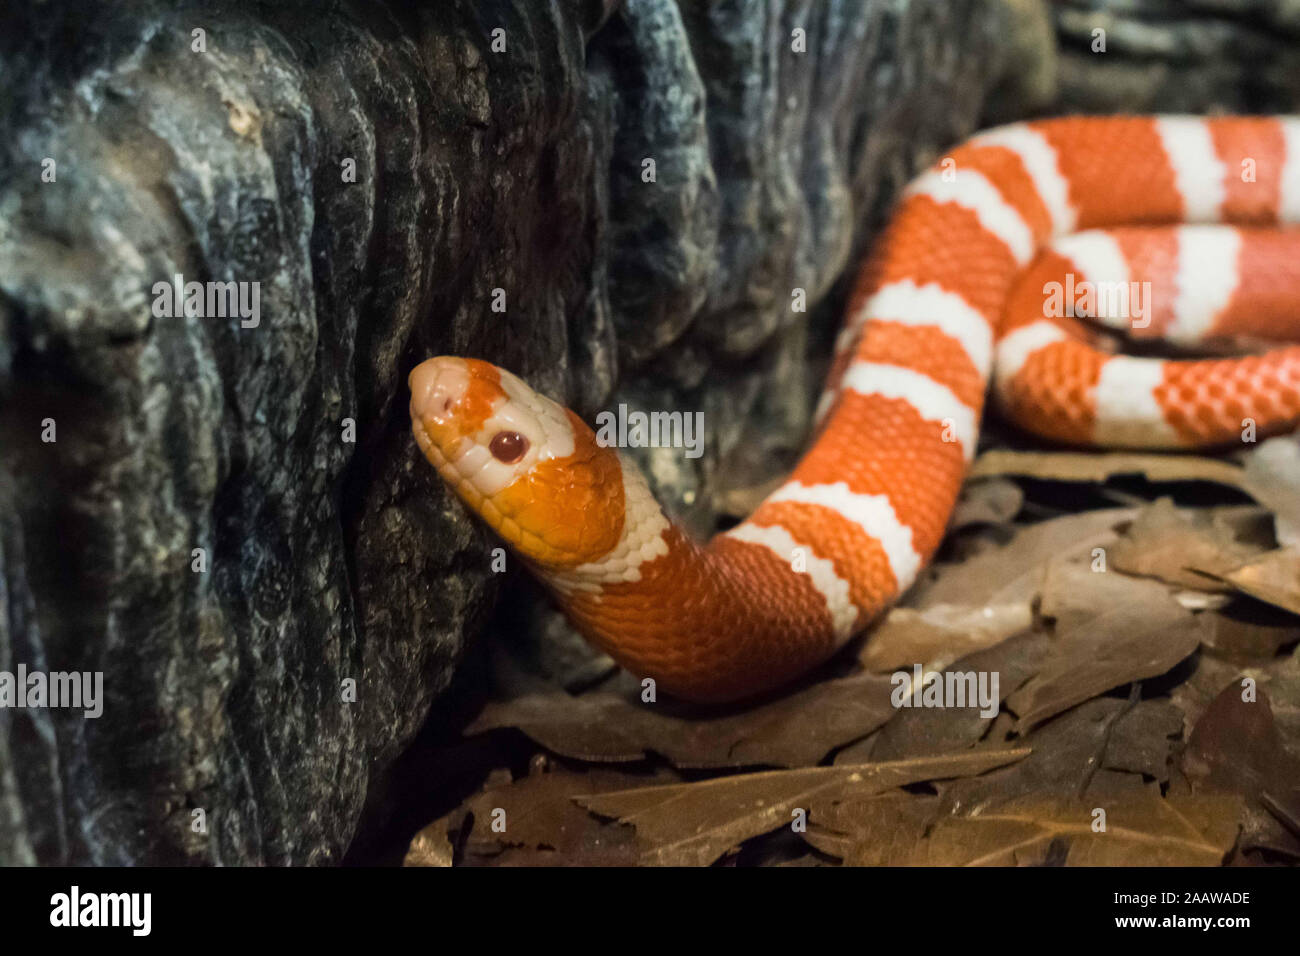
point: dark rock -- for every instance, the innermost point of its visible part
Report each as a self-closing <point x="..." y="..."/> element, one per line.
<point x="331" y="560"/>
<point x="1193" y="56"/>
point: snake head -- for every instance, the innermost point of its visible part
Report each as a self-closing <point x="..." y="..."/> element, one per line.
<point x="526" y="465"/>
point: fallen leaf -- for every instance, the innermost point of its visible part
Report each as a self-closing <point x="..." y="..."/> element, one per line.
<point x="872" y="831"/>
<point x="694" y="824"/>
<point x="794" y="730"/>
<point x="1273" y="578"/>
<point x="533" y="821"/>
<point x="1012" y="574"/>
<point x="1141" y="829"/>
<point x="1253" y="633"/>
<point x="987" y="501"/>
<point x="1177" y="546"/>
<point x="1100" y="749"/>
<point x="1273" y="479"/>
<point x="1235" y="746"/>
<point x="1283" y="679"/>
<point x="940" y="634"/>
<point x="431" y="846"/>
<point x="921" y="731"/>
<point x="1090" y="466"/>
<point x="1111" y="630"/>
<point x="1144" y="739"/>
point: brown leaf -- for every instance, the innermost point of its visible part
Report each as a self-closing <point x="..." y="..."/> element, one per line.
<point x="1090" y="466"/>
<point x="940" y="634"/>
<point x="1235" y="746"/>
<point x="1253" y="633"/>
<point x="872" y="831"/>
<point x="1273" y="578"/>
<point x="919" y="731"/>
<point x="1100" y="749"/>
<point x="694" y="824"/>
<point x="1012" y="574"/>
<point x="1111" y="630"/>
<point x="1172" y="545"/>
<point x="1143" y="740"/>
<point x="1208" y="677"/>
<point x="987" y="501"/>
<point x="431" y="846"/>
<point x="1142" y="829"/>
<point x="1284" y="685"/>
<point x="1273" y="476"/>
<point x="795" y="730"/>
<point x="542" y="826"/>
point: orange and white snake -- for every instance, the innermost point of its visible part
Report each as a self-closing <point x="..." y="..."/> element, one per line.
<point x="968" y="278"/>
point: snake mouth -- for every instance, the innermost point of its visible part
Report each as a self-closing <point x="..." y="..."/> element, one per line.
<point x="447" y="470"/>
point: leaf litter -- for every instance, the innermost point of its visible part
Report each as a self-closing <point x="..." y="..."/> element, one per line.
<point x="1147" y="705"/>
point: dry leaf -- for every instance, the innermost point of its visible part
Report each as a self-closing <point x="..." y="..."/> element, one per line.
<point x="1250" y="633"/>
<point x="1208" y="677"/>
<point x="1089" y="466"/>
<point x="987" y="501"/>
<point x="1100" y="749"/>
<point x="1284" y="686"/>
<point x="919" y="731"/>
<point x="791" y="731"/>
<point x="872" y="831"/>
<point x="940" y="634"/>
<point x="1111" y="630"/>
<point x="1173" y="546"/>
<point x="1273" y="478"/>
<point x="1141" y="829"/>
<point x="1235" y="746"/>
<point x="694" y="824"/>
<point x="1273" y="578"/>
<point x="542" y="826"/>
<point x="431" y="846"/>
<point x="1012" y="574"/>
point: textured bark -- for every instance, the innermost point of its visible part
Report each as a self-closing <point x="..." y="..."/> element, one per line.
<point x="331" y="560"/>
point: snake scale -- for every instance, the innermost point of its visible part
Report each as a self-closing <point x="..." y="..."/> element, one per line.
<point x="1007" y="260"/>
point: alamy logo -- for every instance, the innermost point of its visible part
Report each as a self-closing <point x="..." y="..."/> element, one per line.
<point x="1130" y="301"/>
<point x="651" y="430"/>
<point x="208" y="300"/>
<point x="103" y="909"/>
<point x="60" y="689"/>
<point x="944" y="689"/>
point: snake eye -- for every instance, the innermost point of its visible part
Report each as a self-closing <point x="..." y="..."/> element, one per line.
<point x="508" y="447"/>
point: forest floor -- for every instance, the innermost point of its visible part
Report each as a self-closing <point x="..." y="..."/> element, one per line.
<point x="1128" y="625"/>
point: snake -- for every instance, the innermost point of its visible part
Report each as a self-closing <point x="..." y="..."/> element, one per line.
<point x="1027" y="265"/>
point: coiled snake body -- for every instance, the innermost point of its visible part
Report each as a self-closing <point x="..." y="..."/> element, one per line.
<point x="991" y="263"/>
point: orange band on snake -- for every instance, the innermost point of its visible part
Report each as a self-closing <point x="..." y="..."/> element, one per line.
<point x="1174" y="226"/>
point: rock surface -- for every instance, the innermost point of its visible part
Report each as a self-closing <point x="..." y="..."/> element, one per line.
<point x="230" y="521"/>
<point x="1193" y="56"/>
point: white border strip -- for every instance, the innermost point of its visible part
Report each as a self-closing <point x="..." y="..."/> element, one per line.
<point x="1043" y="166"/>
<point x="1015" y="348"/>
<point x="1289" y="205"/>
<point x="874" y="514"/>
<point x="931" y="305"/>
<point x="973" y="190"/>
<point x="844" y="614"/>
<point x="1207" y="278"/>
<point x="1128" y="415"/>
<point x="1201" y="176"/>
<point x="934" y="401"/>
